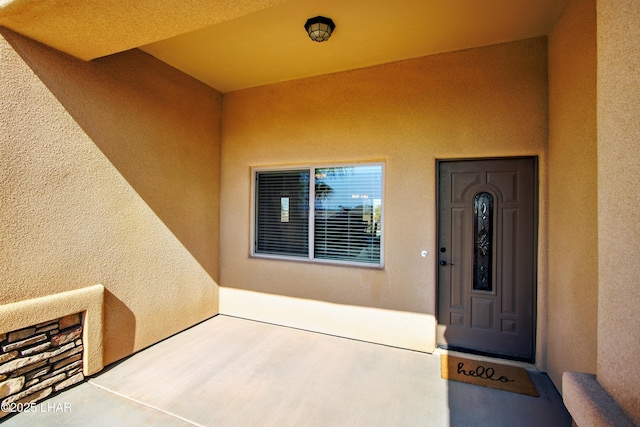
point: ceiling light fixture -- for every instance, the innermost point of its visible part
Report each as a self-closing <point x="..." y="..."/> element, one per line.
<point x="319" y="28"/>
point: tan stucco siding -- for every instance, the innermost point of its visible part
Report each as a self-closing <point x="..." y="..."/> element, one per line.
<point x="90" y="30"/>
<point x="477" y="103"/>
<point x="110" y="175"/>
<point x="573" y="184"/>
<point x="618" y="201"/>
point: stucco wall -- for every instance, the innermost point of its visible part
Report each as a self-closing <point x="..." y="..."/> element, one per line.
<point x="618" y="201"/>
<point x="90" y="30"/>
<point x="476" y="103"/>
<point x="109" y="174"/>
<point x="573" y="184"/>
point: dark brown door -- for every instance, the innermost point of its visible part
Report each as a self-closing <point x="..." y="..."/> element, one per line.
<point x="487" y="256"/>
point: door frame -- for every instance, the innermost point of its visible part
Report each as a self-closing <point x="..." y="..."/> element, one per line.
<point x="536" y="284"/>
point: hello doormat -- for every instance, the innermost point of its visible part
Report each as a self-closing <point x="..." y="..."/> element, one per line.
<point x="487" y="374"/>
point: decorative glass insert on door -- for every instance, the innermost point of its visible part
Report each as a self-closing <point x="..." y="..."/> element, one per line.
<point x="483" y="244"/>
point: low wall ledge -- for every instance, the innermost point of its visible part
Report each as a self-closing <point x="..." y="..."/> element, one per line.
<point x="589" y="404"/>
<point x="89" y="300"/>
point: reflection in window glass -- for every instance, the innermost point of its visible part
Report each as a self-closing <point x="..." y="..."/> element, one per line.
<point x="346" y="213"/>
<point x="284" y="209"/>
<point x="348" y="203"/>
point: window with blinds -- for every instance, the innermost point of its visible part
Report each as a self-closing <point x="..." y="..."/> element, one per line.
<point x="327" y="214"/>
<point x="282" y="213"/>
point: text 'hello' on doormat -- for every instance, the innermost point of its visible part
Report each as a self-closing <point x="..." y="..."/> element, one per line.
<point x="487" y="374"/>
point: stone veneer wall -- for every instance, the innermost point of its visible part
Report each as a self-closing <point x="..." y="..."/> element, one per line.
<point x="40" y="360"/>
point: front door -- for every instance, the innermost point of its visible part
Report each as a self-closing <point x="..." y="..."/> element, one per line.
<point x="487" y="256"/>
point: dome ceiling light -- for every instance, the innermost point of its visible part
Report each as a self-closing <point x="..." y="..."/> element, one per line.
<point x="319" y="28"/>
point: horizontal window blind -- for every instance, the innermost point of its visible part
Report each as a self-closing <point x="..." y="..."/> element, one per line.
<point x="348" y="217"/>
<point x="282" y="213"/>
<point x="343" y="203"/>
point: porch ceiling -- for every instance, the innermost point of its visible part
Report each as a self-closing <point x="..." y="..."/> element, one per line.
<point x="237" y="44"/>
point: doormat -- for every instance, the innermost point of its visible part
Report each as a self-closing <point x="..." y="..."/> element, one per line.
<point x="487" y="374"/>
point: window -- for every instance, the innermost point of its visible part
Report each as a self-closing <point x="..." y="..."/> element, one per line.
<point x="323" y="214"/>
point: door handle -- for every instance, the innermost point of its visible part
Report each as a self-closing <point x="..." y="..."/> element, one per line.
<point x="444" y="263"/>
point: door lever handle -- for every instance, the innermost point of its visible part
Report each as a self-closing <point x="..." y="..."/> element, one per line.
<point x="444" y="263"/>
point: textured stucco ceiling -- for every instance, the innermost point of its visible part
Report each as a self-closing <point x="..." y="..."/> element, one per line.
<point x="238" y="44"/>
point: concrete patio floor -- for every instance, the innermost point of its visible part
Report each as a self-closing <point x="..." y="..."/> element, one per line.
<point x="228" y="371"/>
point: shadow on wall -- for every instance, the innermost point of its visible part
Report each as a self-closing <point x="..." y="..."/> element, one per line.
<point x="120" y="325"/>
<point x="158" y="127"/>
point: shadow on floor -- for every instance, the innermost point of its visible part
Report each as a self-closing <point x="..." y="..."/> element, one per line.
<point x="234" y="372"/>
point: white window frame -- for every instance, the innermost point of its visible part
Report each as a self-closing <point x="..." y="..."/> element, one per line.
<point x="311" y="255"/>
